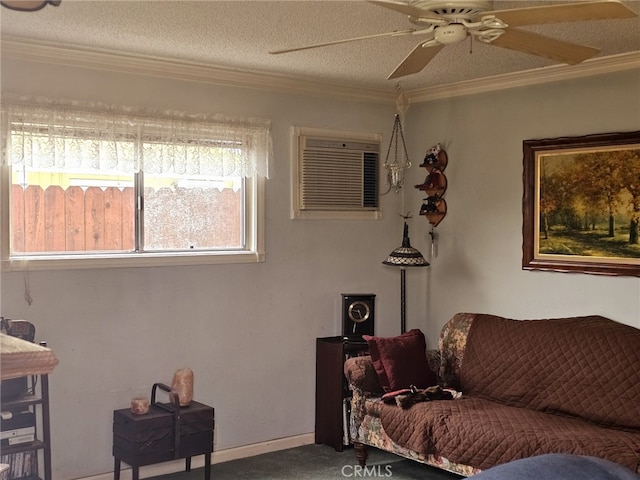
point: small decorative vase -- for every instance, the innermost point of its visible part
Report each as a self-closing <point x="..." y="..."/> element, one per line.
<point x="183" y="385"/>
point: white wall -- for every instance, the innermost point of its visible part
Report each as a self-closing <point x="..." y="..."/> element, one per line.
<point x="247" y="331"/>
<point x="478" y="267"/>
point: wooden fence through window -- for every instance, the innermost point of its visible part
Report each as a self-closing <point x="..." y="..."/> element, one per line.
<point x="72" y="220"/>
<point x="103" y="219"/>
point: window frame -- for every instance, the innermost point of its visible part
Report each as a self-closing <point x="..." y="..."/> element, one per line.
<point x="253" y="252"/>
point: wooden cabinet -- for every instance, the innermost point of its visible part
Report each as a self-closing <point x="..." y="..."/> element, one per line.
<point x="333" y="398"/>
<point x="166" y="432"/>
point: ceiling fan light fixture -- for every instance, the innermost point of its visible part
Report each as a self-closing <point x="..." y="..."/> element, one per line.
<point x="449" y="34"/>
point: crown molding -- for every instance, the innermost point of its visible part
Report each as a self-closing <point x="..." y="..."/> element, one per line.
<point x="166" y="68"/>
<point x="596" y="66"/>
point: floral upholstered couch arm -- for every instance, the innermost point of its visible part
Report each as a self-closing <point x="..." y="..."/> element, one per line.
<point x="452" y="344"/>
<point x="363" y="382"/>
<point x="361" y="374"/>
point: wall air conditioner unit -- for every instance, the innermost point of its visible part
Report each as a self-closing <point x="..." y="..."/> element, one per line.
<point x="335" y="176"/>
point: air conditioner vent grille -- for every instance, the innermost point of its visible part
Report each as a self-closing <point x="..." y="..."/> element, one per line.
<point x="339" y="175"/>
<point x="334" y="175"/>
<point x="332" y="179"/>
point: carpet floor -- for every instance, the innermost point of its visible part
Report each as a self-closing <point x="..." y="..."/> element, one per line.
<point x="316" y="462"/>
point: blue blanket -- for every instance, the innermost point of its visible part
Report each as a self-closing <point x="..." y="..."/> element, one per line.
<point x="558" y="466"/>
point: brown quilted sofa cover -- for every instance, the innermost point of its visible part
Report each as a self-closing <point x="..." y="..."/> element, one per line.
<point x="529" y="387"/>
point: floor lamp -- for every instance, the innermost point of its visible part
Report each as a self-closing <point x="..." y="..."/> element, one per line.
<point x="403" y="257"/>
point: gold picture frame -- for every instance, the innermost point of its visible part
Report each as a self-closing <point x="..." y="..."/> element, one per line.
<point x="581" y="204"/>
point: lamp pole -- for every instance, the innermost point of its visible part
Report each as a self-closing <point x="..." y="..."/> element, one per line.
<point x="403" y="300"/>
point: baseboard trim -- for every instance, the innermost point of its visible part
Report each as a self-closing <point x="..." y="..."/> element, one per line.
<point x="217" y="457"/>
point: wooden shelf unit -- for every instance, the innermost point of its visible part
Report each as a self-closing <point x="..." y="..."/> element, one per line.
<point x="332" y="392"/>
<point x="39" y="405"/>
<point x="25" y="371"/>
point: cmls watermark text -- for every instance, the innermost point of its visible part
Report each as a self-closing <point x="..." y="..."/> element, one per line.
<point x="368" y="471"/>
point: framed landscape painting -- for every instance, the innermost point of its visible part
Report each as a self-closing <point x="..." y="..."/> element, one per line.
<point x="581" y="204"/>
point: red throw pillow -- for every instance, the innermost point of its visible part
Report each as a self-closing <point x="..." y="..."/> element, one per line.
<point x="401" y="361"/>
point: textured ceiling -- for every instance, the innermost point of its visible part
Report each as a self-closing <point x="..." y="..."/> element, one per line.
<point x="238" y="35"/>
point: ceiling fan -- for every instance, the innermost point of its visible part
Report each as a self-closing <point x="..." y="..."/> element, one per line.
<point x="448" y="22"/>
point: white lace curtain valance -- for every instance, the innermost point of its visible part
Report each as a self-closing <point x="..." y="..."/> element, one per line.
<point x="41" y="134"/>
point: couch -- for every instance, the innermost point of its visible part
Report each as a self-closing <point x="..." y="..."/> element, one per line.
<point x="528" y="388"/>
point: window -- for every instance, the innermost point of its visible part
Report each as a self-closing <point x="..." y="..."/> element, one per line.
<point x="100" y="187"/>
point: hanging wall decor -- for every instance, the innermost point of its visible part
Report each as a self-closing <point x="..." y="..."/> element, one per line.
<point x="434" y="206"/>
<point x="580" y="204"/>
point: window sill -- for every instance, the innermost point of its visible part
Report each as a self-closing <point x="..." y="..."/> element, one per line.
<point x="84" y="262"/>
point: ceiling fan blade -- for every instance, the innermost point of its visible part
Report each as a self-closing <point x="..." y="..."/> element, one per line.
<point x="395" y="33"/>
<point x="405" y="8"/>
<point x="535" y="44"/>
<point x="415" y="61"/>
<point x="565" y="12"/>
